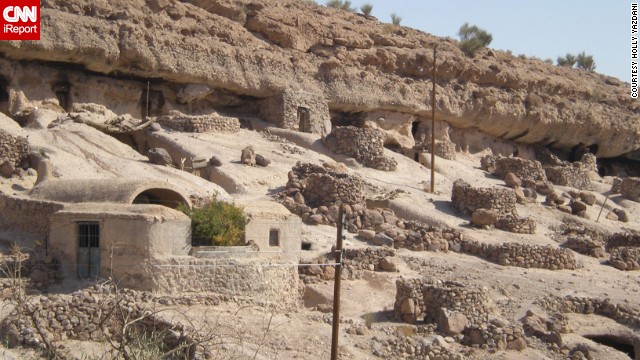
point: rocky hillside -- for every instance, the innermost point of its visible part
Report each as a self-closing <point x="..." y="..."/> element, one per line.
<point x="253" y="49"/>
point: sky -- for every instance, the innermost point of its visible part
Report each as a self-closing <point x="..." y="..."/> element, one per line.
<point x="543" y="28"/>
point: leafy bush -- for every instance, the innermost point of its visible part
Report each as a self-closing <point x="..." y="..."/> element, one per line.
<point x="366" y="9"/>
<point x="395" y="19"/>
<point x="341" y="4"/>
<point x="569" y="60"/>
<point x="585" y="61"/>
<point x="220" y="222"/>
<point x="473" y="38"/>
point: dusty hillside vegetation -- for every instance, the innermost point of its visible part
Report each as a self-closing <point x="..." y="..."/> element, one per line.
<point x="528" y="249"/>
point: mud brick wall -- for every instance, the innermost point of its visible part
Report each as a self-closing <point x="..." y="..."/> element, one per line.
<point x="630" y="188"/>
<point x="199" y="123"/>
<point x="365" y="145"/>
<point x="467" y="199"/>
<point x="26" y="215"/>
<point x="16" y="149"/>
<point x="625" y="258"/>
<point x="244" y="280"/>
<point x="526" y="170"/>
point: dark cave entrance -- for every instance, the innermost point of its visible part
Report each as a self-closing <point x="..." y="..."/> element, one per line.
<point x="617" y="342"/>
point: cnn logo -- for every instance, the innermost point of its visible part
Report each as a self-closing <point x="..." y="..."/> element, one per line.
<point x="20" y="20"/>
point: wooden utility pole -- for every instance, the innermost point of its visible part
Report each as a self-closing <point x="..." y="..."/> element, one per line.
<point x="336" y="287"/>
<point x="433" y="126"/>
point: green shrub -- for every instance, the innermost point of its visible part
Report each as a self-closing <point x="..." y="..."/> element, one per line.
<point x="585" y="61"/>
<point x="473" y="38"/>
<point x="569" y="60"/>
<point x="366" y="9"/>
<point x="220" y="222"/>
<point x="341" y="4"/>
<point x="396" y="19"/>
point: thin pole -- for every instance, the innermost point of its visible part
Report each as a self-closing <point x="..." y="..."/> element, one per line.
<point x="336" y="288"/>
<point x="433" y="126"/>
<point x="147" y="100"/>
<point x="602" y="207"/>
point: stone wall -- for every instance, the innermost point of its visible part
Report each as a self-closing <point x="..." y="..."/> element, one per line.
<point x="13" y="148"/>
<point x="199" y="123"/>
<point x="516" y="225"/>
<point x="355" y="263"/>
<point x="570" y="175"/>
<point x="419" y="298"/>
<point x="244" y="280"/>
<point x="467" y="199"/>
<point x="444" y="148"/>
<point x="26" y="215"/>
<point x="365" y="145"/>
<point x="622" y="314"/>
<point x="630" y="188"/>
<point x="526" y="170"/>
<point x="622" y="239"/>
<point x="286" y="109"/>
<point x="625" y="258"/>
<point x="522" y="255"/>
<point x="586" y="246"/>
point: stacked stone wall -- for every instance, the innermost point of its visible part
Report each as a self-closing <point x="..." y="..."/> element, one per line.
<point x="523" y="255"/>
<point x="586" y="246"/>
<point x="620" y="313"/>
<point x="444" y="149"/>
<point x="365" y="145"/>
<point x="625" y="258"/>
<point x="630" y="188"/>
<point x="16" y="149"/>
<point x="573" y="176"/>
<point x="419" y="298"/>
<point x="199" y="123"/>
<point x="526" y="170"/>
<point x="26" y="215"/>
<point x="622" y="239"/>
<point x="516" y="225"/>
<point x="467" y="199"/>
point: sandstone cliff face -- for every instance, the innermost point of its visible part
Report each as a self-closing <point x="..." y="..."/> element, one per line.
<point x="256" y="49"/>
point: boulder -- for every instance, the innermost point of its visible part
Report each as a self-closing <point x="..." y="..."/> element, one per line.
<point x="589" y="198"/>
<point x="372" y="218"/>
<point x="381" y="239"/>
<point x="544" y="187"/>
<point x="262" y="161"/>
<point x="578" y="206"/>
<point x="389" y="263"/>
<point x="512" y="180"/>
<point x="159" y="156"/>
<point x="248" y="156"/>
<point x="408" y="307"/>
<point x="484" y="217"/>
<point x="214" y="161"/>
<point x="622" y="215"/>
<point x="316" y="219"/>
<point x="451" y="322"/>
<point x="7" y="168"/>
<point x="366" y="234"/>
<point x="520" y="197"/>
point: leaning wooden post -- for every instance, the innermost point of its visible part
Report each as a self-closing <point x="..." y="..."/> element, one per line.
<point x="336" y="287"/>
<point x="433" y="126"/>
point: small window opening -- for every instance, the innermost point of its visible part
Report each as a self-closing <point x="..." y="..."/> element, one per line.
<point x="151" y="104"/>
<point x="304" y="120"/>
<point x="274" y="237"/>
<point x="305" y="246"/>
<point x="63" y="94"/>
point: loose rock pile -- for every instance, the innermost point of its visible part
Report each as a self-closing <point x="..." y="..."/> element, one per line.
<point x="365" y="145"/>
<point x="199" y="123"/>
<point x="14" y="150"/>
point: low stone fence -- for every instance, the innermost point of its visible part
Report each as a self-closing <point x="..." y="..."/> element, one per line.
<point x="526" y="170"/>
<point x="620" y="313"/>
<point x="254" y="281"/>
<point x="523" y="255"/>
<point x="516" y="225"/>
<point x="199" y="123"/>
<point x="16" y="149"/>
<point x="26" y="215"/>
<point x="586" y="246"/>
<point x="625" y="258"/>
<point x="355" y="263"/>
<point x="444" y="148"/>
<point x="630" y="188"/>
<point x="364" y="145"/>
<point x="569" y="175"/>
